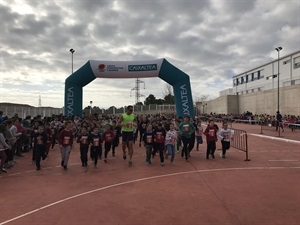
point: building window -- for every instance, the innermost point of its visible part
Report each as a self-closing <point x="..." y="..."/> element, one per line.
<point x="242" y="80"/>
<point x="252" y="77"/>
<point x="293" y="82"/>
<point x="258" y="75"/>
<point x="297" y="62"/>
<point x="246" y="78"/>
<point x="252" y="90"/>
<point x="286" y="61"/>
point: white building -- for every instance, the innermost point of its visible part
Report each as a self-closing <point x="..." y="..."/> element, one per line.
<point x="265" y="77"/>
<point x="256" y="90"/>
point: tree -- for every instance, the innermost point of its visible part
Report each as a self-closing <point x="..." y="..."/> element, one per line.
<point x="150" y="100"/>
<point x="168" y="95"/>
<point x="168" y="90"/>
<point x="139" y="103"/>
<point x="159" y="101"/>
<point x="169" y="99"/>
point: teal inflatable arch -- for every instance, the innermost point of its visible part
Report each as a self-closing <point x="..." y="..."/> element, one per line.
<point x="128" y="69"/>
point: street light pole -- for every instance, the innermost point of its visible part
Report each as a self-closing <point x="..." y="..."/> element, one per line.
<point x="91" y="102"/>
<point x="278" y="49"/>
<point x="72" y="51"/>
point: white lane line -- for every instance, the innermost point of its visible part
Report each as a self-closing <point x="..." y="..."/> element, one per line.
<point x="276" y="138"/>
<point x="14" y="174"/>
<point x="283" y="160"/>
<point x="139" y="180"/>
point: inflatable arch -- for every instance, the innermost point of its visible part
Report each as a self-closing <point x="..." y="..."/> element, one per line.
<point x="128" y="69"/>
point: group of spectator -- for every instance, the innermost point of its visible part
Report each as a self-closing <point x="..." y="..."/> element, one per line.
<point x="291" y="121"/>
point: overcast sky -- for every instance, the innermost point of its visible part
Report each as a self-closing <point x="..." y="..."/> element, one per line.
<point x="210" y="40"/>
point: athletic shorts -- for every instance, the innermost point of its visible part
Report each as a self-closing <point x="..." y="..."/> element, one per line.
<point x="225" y="144"/>
<point x="199" y="139"/>
<point x="127" y="136"/>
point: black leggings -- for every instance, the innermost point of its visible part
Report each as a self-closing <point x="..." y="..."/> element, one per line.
<point x="211" y="148"/>
<point x="107" y="147"/>
<point x="187" y="143"/>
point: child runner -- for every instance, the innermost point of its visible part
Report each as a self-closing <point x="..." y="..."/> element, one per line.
<point x="193" y="136"/>
<point x="65" y="141"/>
<point x="159" y="140"/>
<point x="186" y="129"/>
<point x="117" y="134"/>
<point x="49" y="137"/>
<point x="83" y="139"/>
<point x="107" y="137"/>
<point x="3" y="147"/>
<point x="142" y="128"/>
<point x="54" y="135"/>
<point x="10" y="141"/>
<point x="171" y="138"/>
<point x="178" y="143"/>
<point x="148" y="139"/>
<point x="33" y="133"/>
<point x="199" y="132"/>
<point x="96" y="147"/>
<point x="40" y="144"/>
<point x="225" y="135"/>
<point x="211" y="138"/>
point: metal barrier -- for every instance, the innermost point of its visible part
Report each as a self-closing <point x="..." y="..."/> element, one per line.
<point x="240" y="141"/>
<point x="275" y="127"/>
<point x="271" y="126"/>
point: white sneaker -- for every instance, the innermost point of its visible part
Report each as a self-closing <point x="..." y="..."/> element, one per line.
<point x="221" y="155"/>
<point x="162" y="164"/>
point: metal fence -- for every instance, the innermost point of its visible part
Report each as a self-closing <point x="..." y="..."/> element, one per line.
<point x="138" y="109"/>
<point x="240" y="141"/>
<point x="22" y="111"/>
<point x="278" y="127"/>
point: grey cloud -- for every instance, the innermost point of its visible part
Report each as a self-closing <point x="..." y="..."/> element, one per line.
<point x="205" y="39"/>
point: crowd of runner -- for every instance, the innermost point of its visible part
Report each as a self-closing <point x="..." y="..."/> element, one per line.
<point x="100" y="135"/>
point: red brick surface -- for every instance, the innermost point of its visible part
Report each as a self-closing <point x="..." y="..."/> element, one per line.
<point x="263" y="191"/>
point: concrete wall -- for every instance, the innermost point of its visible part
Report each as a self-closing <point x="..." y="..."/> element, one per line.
<point x="228" y="104"/>
<point x="266" y="101"/>
<point x="263" y="102"/>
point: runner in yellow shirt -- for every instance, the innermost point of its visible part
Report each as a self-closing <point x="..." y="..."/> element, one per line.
<point x="126" y="122"/>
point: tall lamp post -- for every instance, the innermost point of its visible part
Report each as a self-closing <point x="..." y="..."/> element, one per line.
<point x="278" y="49"/>
<point x="91" y="102"/>
<point x="72" y="51"/>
